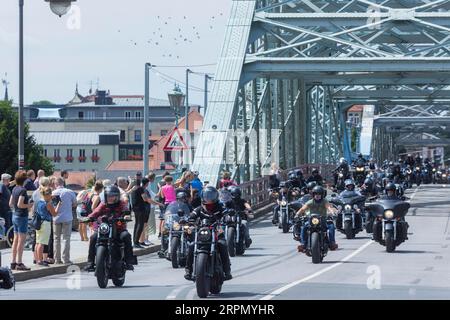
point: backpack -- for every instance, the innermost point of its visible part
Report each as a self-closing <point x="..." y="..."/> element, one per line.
<point x="7" y="280"/>
<point x="36" y="221"/>
<point x="85" y="207"/>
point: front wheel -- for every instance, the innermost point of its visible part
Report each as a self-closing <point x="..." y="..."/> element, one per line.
<point x="285" y="223"/>
<point x="231" y="241"/>
<point x="102" y="272"/>
<point x="389" y="239"/>
<point x="348" y="229"/>
<point x="216" y="285"/>
<point x="315" y="248"/>
<point x="202" y="281"/>
<point x="174" y="245"/>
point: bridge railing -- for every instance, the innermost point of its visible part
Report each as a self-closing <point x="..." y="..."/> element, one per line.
<point x="256" y="191"/>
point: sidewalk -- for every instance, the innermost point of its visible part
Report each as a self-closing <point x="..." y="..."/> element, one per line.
<point x="78" y="255"/>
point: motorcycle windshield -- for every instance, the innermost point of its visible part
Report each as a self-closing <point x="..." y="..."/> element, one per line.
<point x="353" y="200"/>
<point x="399" y="207"/>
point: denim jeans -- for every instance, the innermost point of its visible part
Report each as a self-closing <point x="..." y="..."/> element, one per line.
<point x="303" y="233"/>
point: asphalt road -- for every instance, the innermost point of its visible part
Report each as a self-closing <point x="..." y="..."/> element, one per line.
<point x="272" y="268"/>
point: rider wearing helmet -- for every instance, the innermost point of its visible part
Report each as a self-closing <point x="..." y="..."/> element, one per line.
<point x="369" y="188"/>
<point x="390" y="192"/>
<point x="321" y="206"/>
<point x="343" y="169"/>
<point x="286" y="191"/>
<point x="349" y="189"/>
<point x="242" y="206"/>
<point x="113" y="207"/>
<point x="212" y="210"/>
<point x="315" y="176"/>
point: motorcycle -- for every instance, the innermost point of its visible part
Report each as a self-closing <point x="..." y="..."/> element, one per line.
<point x="318" y="243"/>
<point x="340" y="185"/>
<point x="408" y="174"/>
<point x="110" y="258"/>
<point x="349" y="220"/>
<point x="208" y="270"/>
<point x="234" y="233"/>
<point x="359" y="174"/>
<point x="179" y="232"/>
<point x="285" y="215"/>
<point x="390" y="228"/>
<point x="418" y="176"/>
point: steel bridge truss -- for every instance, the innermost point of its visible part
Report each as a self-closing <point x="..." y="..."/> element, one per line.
<point x="294" y="67"/>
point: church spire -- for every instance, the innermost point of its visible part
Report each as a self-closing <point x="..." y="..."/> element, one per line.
<point x="6" y="83"/>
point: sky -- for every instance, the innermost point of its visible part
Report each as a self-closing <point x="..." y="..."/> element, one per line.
<point x="107" y="43"/>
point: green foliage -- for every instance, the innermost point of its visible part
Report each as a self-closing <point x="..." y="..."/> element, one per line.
<point x="34" y="158"/>
<point x="42" y="103"/>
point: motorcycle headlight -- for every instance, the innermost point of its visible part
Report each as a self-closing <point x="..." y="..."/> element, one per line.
<point x="348" y="207"/>
<point x="360" y="169"/>
<point x="341" y="175"/>
<point x="409" y="171"/>
<point x="417" y="168"/>
<point x="204" y="235"/>
<point x="444" y="175"/>
<point x="104" y="228"/>
<point x="176" y="226"/>
<point x="389" y="214"/>
<point x="315" y="221"/>
<point x="434" y="170"/>
<point x="283" y="203"/>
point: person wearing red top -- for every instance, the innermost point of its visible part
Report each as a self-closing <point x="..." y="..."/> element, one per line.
<point x="226" y="181"/>
<point x="113" y="208"/>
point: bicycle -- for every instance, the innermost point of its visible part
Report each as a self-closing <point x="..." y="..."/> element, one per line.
<point x="31" y="236"/>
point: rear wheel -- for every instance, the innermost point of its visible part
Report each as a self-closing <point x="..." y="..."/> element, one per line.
<point x="231" y="241"/>
<point x="315" y="248"/>
<point x="202" y="281"/>
<point x="118" y="282"/>
<point x="10" y="236"/>
<point x="285" y="223"/>
<point x="389" y="239"/>
<point x="240" y="246"/>
<point x="174" y="245"/>
<point x="102" y="272"/>
<point x="348" y="229"/>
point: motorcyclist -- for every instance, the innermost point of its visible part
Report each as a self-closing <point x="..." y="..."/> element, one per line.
<point x="409" y="161"/>
<point x="296" y="179"/>
<point x="418" y="161"/>
<point x="212" y="210"/>
<point x="360" y="161"/>
<point x="113" y="207"/>
<point x="315" y="176"/>
<point x="172" y="212"/>
<point x="372" y="164"/>
<point x="288" y="193"/>
<point x="396" y="170"/>
<point x="369" y="188"/>
<point x="349" y="189"/>
<point x="343" y="168"/>
<point x="317" y="205"/>
<point x="242" y="206"/>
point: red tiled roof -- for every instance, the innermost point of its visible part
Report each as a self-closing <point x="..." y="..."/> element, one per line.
<point x="79" y="178"/>
<point x="356" y="108"/>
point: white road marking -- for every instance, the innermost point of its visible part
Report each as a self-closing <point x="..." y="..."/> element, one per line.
<point x="190" y="295"/>
<point x="295" y="283"/>
<point x="413" y="195"/>
<point x="173" y="295"/>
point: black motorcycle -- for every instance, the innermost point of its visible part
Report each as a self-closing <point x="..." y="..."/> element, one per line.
<point x="317" y="234"/>
<point x="390" y="227"/>
<point x="359" y="174"/>
<point x="418" y="175"/>
<point x="408" y="173"/>
<point x="349" y="220"/>
<point x="208" y="270"/>
<point x="110" y="258"/>
<point x="340" y="185"/>
<point x="234" y="233"/>
<point x="179" y="233"/>
<point x="285" y="214"/>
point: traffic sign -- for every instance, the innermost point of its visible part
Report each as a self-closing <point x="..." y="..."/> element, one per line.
<point x="175" y="142"/>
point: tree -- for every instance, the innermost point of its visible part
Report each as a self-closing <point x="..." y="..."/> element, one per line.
<point x="42" y="103"/>
<point x="34" y="158"/>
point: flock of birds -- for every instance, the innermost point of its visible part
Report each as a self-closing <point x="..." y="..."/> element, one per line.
<point x="166" y="36"/>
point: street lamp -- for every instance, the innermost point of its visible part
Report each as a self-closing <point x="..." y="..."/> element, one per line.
<point x="176" y="99"/>
<point x="59" y="7"/>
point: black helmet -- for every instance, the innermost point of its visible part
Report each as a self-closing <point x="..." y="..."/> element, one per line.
<point x="318" y="190"/>
<point x="390" y="187"/>
<point x="292" y="175"/>
<point x="315" y="171"/>
<point x="283" y="184"/>
<point x="235" y="192"/>
<point x="360" y="155"/>
<point x="299" y="173"/>
<point x="110" y="192"/>
<point x="311" y="185"/>
<point x="182" y="195"/>
<point x="349" y="182"/>
<point x="210" y="194"/>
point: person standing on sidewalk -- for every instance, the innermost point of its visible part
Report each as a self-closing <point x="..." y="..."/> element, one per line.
<point x="5" y="194"/>
<point x="29" y="183"/>
<point x="62" y="224"/>
<point x="40" y="174"/>
<point x="21" y="203"/>
<point x="150" y="229"/>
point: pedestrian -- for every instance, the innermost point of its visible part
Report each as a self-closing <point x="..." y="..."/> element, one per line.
<point x="36" y="197"/>
<point x="40" y="174"/>
<point x="62" y="224"/>
<point x="122" y="184"/>
<point x="167" y="192"/>
<point x="150" y="226"/>
<point x="196" y="184"/>
<point x="5" y="194"/>
<point x="21" y="203"/>
<point x="29" y="183"/>
<point x="226" y="181"/>
<point x="46" y="210"/>
<point x="98" y="189"/>
<point x="141" y="209"/>
<point x="184" y="181"/>
<point x="84" y="208"/>
<point x="65" y="176"/>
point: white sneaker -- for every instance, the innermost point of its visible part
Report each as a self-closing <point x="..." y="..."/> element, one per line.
<point x="149" y="243"/>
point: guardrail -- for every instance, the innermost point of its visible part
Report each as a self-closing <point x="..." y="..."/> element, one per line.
<point x="256" y="191"/>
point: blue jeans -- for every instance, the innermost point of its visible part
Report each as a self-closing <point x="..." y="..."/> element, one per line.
<point x="20" y="224"/>
<point x="331" y="232"/>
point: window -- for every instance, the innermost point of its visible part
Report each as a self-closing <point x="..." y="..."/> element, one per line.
<point x="95" y="156"/>
<point x="69" y="155"/>
<point x="149" y="132"/>
<point x="56" y="155"/>
<point x="164" y="132"/>
<point x="137" y="114"/>
<point x="127" y="115"/>
<point x="82" y="156"/>
<point x="104" y="115"/>
<point x="45" y="152"/>
<point x="167" y="156"/>
<point x="122" y="135"/>
<point x="137" y="135"/>
<point x="90" y="115"/>
<point x="81" y="115"/>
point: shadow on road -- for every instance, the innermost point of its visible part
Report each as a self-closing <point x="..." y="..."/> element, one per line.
<point x="258" y="255"/>
<point x="345" y="262"/>
<point x="412" y="251"/>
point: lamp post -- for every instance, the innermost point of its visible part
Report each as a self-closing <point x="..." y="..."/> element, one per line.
<point x="186" y="119"/>
<point x="148" y="66"/>
<point x="176" y="99"/>
<point x="60" y="8"/>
